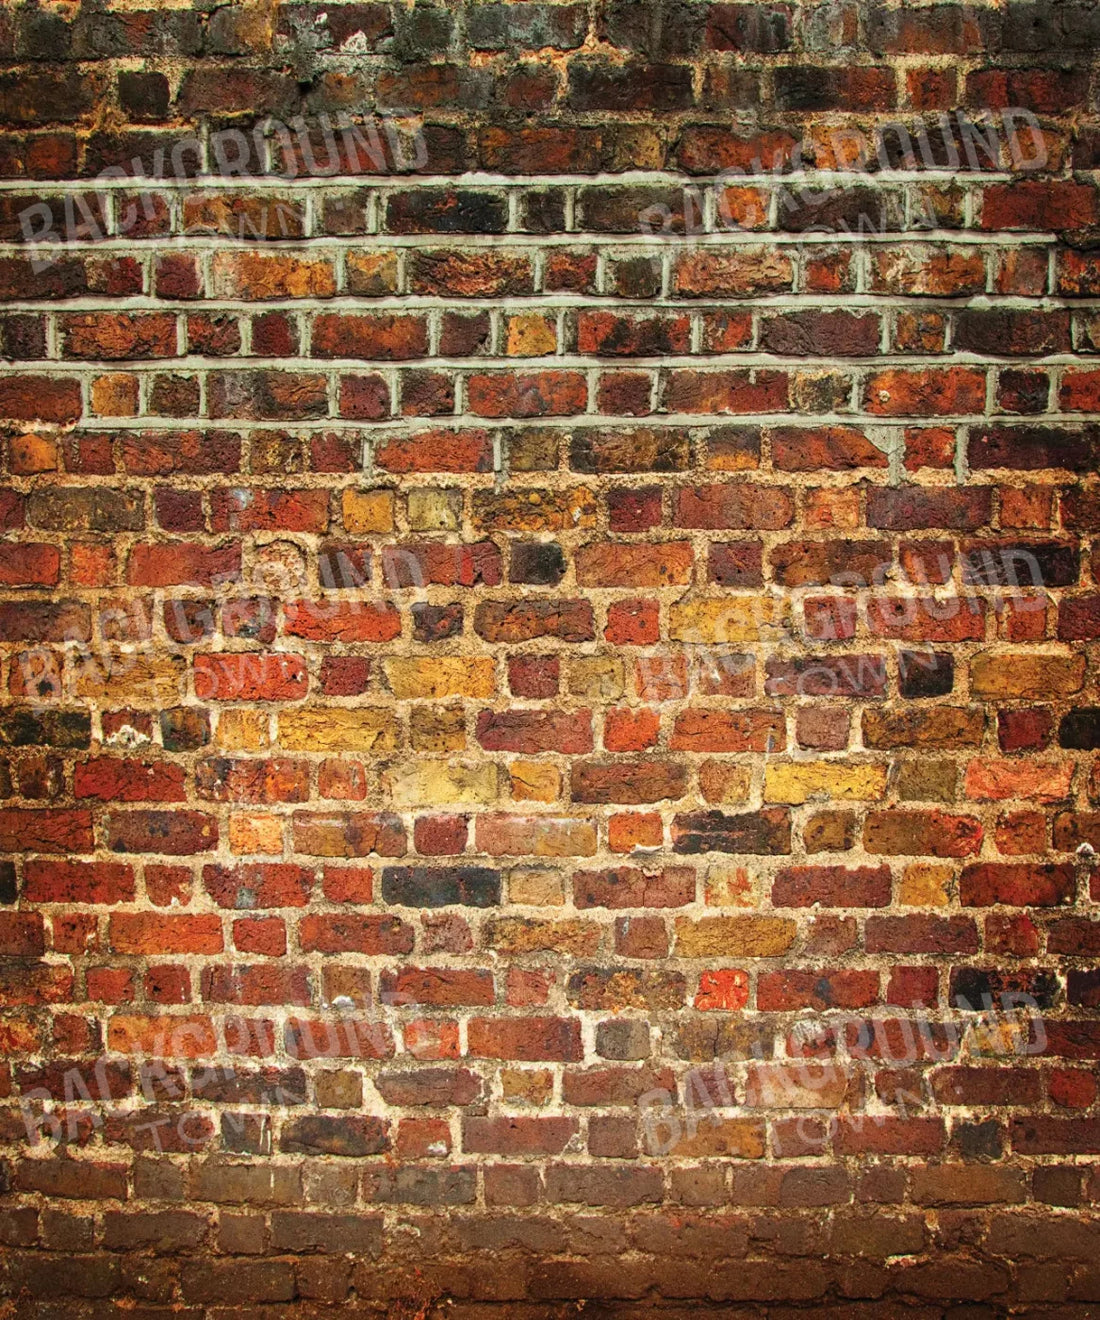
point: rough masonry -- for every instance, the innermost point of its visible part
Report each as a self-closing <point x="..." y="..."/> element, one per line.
<point x="548" y="640"/>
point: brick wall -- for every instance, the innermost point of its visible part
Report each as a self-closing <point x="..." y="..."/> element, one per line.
<point x="548" y="647"/>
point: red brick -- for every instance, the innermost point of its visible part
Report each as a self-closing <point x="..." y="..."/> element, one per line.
<point x="538" y="394"/>
<point x="250" y="676"/>
<point x="530" y="1038"/>
<point x="45" y="830"/>
<point x="344" y="621"/>
<point x="29" y="564"/>
<point x="177" y="833"/>
<point x="183" y="564"/>
<point x="141" y="932"/>
<point x="832" y="886"/>
<point x="111" y="779"/>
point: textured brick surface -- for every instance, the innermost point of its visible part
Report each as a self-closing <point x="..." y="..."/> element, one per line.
<point x="549" y="610"/>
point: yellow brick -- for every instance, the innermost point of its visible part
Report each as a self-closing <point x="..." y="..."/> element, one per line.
<point x="531" y="335"/>
<point x="244" y="730"/>
<point x="256" y="832"/>
<point x="536" y="888"/>
<point x="803" y="1086"/>
<point x="115" y="395"/>
<point x="32" y="453"/>
<point x="925" y="885"/>
<point x="734" y="937"/>
<point x="1007" y="1036"/>
<point x="532" y="935"/>
<point x="719" y="781"/>
<point x="368" y="510"/>
<point x="372" y="273"/>
<point x="435" y="509"/>
<point x="335" y="729"/>
<point x="441" y="676"/>
<point x="730" y="886"/>
<point x="534" y="510"/>
<point x="831" y="507"/>
<point x="258" y="275"/>
<point x="532" y="781"/>
<point x="597" y="677"/>
<point x="437" y="729"/>
<point x="503" y="835"/>
<point x="130" y="679"/>
<point x="1024" y="674"/>
<point x="799" y="781"/>
<point x="431" y="783"/>
<point x="522" y="1086"/>
<point x="741" y="1138"/>
<point x="731" y="619"/>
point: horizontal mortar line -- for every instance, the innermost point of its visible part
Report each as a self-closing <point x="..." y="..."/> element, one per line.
<point x="565" y="362"/>
<point x="396" y="181"/>
<point x="572" y="238"/>
<point x="594" y="302"/>
<point x="686" y="420"/>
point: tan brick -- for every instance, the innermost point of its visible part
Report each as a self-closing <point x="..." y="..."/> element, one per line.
<point x="336" y="729"/>
<point x="414" y="677"/>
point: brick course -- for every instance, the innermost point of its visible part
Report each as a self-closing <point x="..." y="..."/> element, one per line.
<point x="548" y="624"/>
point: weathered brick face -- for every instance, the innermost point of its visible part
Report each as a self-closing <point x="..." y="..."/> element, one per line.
<point x="549" y="609"/>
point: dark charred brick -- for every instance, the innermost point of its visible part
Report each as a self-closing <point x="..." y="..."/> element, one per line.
<point x="538" y="564"/>
<point x="761" y="832"/>
<point x="461" y="211"/>
<point x="618" y="87"/>
<point x="428" y="886"/>
<point x="144" y="95"/>
<point x="1080" y="729"/>
<point x="435" y="623"/>
<point x="925" y="674"/>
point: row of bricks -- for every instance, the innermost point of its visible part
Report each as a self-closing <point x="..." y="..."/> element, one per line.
<point x="382" y="30"/>
<point x="839" y="996"/>
<point x="613" y="1137"/>
<point x="710" y="82"/>
<point x="38" y="777"/>
<point x="1017" y="679"/>
<point x="1048" y="395"/>
<point x="256" y="833"/>
<point x="112" y="678"/>
<point x="843" y="450"/>
<point x="958" y="1031"/>
<point x="820" y="1086"/>
<point x="1016" y="832"/>
<point x="638" y="937"/>
<point x="859" y="1046"/>
<point x="905" y="1035"/>
<point x="287" y="983"/>
<point x="484" y="1262"/>
<point x="644" y="935"/>
<point x="572" y="511"/>
<point x="536" y="732"/>
<point x="767" y="831"/>
<point x="259" y="830"/>
<point x="823" y="332"/>
<point x="934" y="776"/>
<point x="677" y="269"/>
<point x="270" y="394"/>
<point x="730" y="621"/>
<point x="829" y="883"/>
<point x="714" y="1214"/>
<point x="560" y="1039"/>
<point x="1027" y="565"/>
<point x="348" y="149"/>
<point x="490" y="1269"/>
<point x="767" y="200"/>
